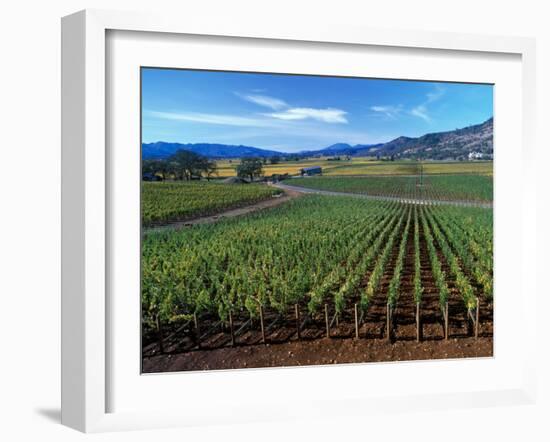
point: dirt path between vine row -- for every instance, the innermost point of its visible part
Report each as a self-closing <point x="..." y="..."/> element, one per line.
<point x="274" y="201"/>
<point x="290" y="188"/>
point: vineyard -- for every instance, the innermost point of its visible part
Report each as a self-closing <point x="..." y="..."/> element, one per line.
<point x="175" y="201"/>
<point x="321" y="266"/>
<point x="475" y="188"/>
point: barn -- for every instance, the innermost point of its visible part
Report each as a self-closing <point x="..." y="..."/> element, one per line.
<point x="309" y="171"/>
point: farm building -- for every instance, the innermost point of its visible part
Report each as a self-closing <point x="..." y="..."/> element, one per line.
<point x="309" y="171"/>
<point x="475" y="156"/>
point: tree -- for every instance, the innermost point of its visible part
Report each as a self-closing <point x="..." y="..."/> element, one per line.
<point x="184" y="163"/>
<point x="211" y="169"/>
<point x="292" y="158"/>
<point x="250" y="168"/>
<point x="188" y="164"/>
<point x="275" y="159"/>
<point x="156" y="168"/>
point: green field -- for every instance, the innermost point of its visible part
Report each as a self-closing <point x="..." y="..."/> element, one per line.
<point x="172" y="201"/>
<point x="477" y="188"/>
<point x="315" y="250"/>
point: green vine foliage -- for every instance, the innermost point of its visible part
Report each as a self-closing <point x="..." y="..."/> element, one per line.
<point x="311" y="250"/>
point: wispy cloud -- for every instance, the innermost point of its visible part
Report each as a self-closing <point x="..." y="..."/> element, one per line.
<point x="286" y="112"/>
<point x="421" y="112"/>
<point x="219" y="119"/>
<point x="388" y="110"/>
<point x="264" y="100"/>
<point x="328" y="115"/>
<point x="436" y="94"/>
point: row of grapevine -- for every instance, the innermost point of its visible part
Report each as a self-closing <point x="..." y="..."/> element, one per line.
<point x="393" y="291"/>
<point x="462" y="283"/>
<point x="475" y="188"/>
<point x="163" y="202"/>
<point x="357" y="274"/>
<point x="380" y="266"/>
<point x="271" y="258"/>
<point x="437" y="271"/>
<point x="336" y="276"/>
<point x="417" y="277"/>
<point x="478" y="234"/>
<point x="310" y="251"/>
<point x="477" y="229"/>
<point x="477" y="268"/>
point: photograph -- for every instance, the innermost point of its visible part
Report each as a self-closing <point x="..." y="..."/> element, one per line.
<point x="302" y="220"/>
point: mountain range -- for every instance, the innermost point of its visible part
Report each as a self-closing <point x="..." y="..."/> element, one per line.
<point x="455" y="144"/>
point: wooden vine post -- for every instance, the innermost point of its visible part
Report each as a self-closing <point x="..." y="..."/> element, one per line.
<point x="388" y="321"/>
<point x="326" y="321"/>
<point x="297" y="314"/>
<point x="477" y="318"/>
<point x="446" y="320"/>
<point x="418" y="331"/>
<point x="231" y="330"/>
<point x="262" y="323"/>
<point x="356" y="322"/>
<point x="159" y="331"/>
<point x="197" y="329"/>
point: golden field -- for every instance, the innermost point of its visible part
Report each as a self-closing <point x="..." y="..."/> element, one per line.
<point x="364" y="166"/>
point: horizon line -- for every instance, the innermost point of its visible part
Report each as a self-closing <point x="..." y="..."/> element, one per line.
<point x="323" y="148"/>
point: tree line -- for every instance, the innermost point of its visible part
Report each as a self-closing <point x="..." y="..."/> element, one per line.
<point x="186" y="165"/>
<point x="183" y="165"/>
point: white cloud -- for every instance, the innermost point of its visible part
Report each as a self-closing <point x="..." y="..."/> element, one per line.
<point x="435" y="95"/>
<point x="328" y="115"/>
<point x="287" y="113"/>
<point x="388" y="111"/>
<point x="220" y="119"/>
<point x="264" y="100"/>
<point x="421" y="112"/>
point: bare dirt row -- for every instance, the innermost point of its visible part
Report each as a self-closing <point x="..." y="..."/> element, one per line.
<point x="318" y="352"/>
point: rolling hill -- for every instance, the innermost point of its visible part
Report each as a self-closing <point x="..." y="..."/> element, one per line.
<point x="339" y="149"/>
<point x="442" y="145"/>
<point x="161" y="150"/>
<point x="455" y="144"/>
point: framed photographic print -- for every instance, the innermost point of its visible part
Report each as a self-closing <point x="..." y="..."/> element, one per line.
<point x="322" y="251"/>
<point x="250" y="214"/>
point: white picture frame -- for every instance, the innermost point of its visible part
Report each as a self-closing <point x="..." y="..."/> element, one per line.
<point x="85" y="203"/>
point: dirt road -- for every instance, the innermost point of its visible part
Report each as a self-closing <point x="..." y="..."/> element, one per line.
<point x="239" y="211"/>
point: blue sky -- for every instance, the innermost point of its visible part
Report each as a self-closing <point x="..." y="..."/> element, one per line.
<point x="291" y="113"/>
